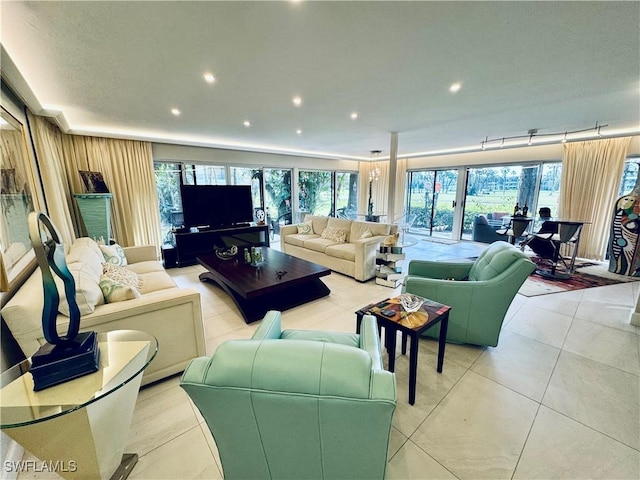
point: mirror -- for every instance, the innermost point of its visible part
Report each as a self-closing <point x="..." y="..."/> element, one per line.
<point x="16" y="198"/>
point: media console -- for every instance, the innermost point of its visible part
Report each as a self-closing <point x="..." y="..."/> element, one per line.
<point x="190" y="245"/>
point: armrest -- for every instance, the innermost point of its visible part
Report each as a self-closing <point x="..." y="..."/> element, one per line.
<point x="270" y="326"/>
<point x="288" y="230"/>
<point x="428" y="269"/>
<point x="141" y="253"/>
<point x="370" y="341"/>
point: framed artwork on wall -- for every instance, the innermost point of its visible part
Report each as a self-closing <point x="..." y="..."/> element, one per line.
<point x="20" y="194"/>
<point x="93" y="182"/>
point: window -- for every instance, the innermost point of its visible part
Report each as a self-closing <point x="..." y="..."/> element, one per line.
<point x="315" y="192"/>
<point x="168" y="187"/>
<point x="249" y="176"/>
<point x="346" y="201"/>
<point x="277" y="187"/>
<point x="204" y="175"/>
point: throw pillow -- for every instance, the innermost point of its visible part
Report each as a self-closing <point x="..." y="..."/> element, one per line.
<point x="121" y="275"/>
<point x="367" y="233"/>
<point x="87" y="294"/>
<point x="114" y="291"/>
<point x="305" y="228"/>
<point x="114" y="254"/>
<point x="337" y="235"/>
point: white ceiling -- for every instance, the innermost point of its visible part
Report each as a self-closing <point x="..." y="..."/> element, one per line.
<point x="117" y="68"/>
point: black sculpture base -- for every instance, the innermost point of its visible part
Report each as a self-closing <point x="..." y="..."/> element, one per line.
<point x="54" y="364"/>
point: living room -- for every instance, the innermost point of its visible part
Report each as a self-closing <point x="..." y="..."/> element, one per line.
<point x="535" y="428"/>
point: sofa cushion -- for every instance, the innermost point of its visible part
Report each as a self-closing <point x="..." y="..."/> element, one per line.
<point x="318" y="244"/>
<point x="299" y="239"/>
<point x="319" y="223"/>
<point x="358" y="229"/>
<point x="145" y="267"/>
<point x="88" y="292"/>
<point x="153" y="281"/>
<point x="113" y="254"/>
<point x="346" y="251"/>
<point x="305" y="228"/>
<point x="338" y="235"/>
<point x="114" y="291"/>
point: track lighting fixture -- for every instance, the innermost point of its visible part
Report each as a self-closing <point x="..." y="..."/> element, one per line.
<point x="533" y="133"/>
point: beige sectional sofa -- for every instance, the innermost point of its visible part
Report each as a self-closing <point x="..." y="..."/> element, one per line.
<point x="171" y="314"/>
<point x="343" y="245"/>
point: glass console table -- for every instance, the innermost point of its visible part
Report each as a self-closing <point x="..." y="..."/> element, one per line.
<point x="79" y="428"/>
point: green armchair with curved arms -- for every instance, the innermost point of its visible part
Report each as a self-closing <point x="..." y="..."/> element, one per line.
<point x="479" y="292"/>
<point x="297" y="404"/>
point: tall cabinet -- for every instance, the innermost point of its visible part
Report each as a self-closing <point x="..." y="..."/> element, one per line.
<point x="95" y="209"/>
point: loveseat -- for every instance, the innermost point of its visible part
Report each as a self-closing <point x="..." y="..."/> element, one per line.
<point x="155" y="304"/>
<point x="343" y="245"/>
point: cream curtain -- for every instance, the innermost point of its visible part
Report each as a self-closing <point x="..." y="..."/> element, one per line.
<point x="55" y="183"/>
<point x="591" y="173"/>
<point x="127" y="168"/>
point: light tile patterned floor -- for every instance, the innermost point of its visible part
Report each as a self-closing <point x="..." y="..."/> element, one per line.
<point x="558" y="397"/>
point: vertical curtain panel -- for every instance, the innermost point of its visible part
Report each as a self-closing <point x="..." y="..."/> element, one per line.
<point x="127" y="168"/>
<point x="55" y="182"/>
<point x="591" y="173"/>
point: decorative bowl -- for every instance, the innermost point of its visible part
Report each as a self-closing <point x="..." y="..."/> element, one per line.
<point x="411" y="303"/>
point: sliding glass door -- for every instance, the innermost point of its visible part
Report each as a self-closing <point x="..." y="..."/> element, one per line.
<point x="431" y="197"/>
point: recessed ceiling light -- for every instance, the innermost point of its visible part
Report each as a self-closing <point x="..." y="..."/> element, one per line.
<point x="297" y="101"/>
<point x="246" y="123"/>
<point x="175" y="111"/>
<point x="354" y="115"/>
<point x="299" y="131"/>
<point x="455" y="87"/>
<point x="209" y="77"/>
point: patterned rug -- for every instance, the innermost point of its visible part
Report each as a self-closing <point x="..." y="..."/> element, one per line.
<point x="588" y="274"/>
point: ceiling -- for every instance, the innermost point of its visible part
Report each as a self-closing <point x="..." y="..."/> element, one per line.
<point x="118" y="68"/>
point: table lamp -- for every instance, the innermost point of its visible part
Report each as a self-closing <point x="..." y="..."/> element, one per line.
<point x="75" y="354"/>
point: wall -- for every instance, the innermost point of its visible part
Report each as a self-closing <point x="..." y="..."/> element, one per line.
<point x="165" y="151"/>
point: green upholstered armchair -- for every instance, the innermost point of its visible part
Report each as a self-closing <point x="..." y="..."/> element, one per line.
<point x="297" y="404"/>
<point x="479" y="292"/>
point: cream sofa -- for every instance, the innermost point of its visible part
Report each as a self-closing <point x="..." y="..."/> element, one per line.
<point x="171" y="314"/>
<point x="356" y="256"/>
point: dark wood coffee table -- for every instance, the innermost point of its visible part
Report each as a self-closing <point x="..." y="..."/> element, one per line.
<point x="279" y="283"/>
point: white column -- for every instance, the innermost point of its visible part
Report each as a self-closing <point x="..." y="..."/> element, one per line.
<point x="393" y="169"/>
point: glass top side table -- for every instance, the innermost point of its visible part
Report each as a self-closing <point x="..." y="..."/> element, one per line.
<point x="80" y="426"/>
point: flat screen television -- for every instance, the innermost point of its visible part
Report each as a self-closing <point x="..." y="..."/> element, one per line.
<point x="215" y="206"/>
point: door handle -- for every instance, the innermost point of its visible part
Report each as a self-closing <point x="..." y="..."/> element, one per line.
<point x="453" y="204"/>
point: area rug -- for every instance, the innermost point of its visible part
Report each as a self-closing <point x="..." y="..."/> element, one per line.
<point x="588" y="274"/>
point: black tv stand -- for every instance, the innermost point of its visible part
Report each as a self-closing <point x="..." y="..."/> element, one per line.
<point x="189" y="245"/>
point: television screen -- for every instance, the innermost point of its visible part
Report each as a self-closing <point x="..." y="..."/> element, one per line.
<point x="216" y="206"/>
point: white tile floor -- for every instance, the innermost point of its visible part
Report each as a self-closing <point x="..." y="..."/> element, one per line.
<point x="558" y="398"/>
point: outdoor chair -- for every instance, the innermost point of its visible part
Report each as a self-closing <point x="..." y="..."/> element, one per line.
<point x="479" y="292"/>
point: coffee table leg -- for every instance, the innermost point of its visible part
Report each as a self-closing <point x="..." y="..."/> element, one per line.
<point x="390" y="343"/>
<point x="413" y="368"/>
<point x="442" y="341"/>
